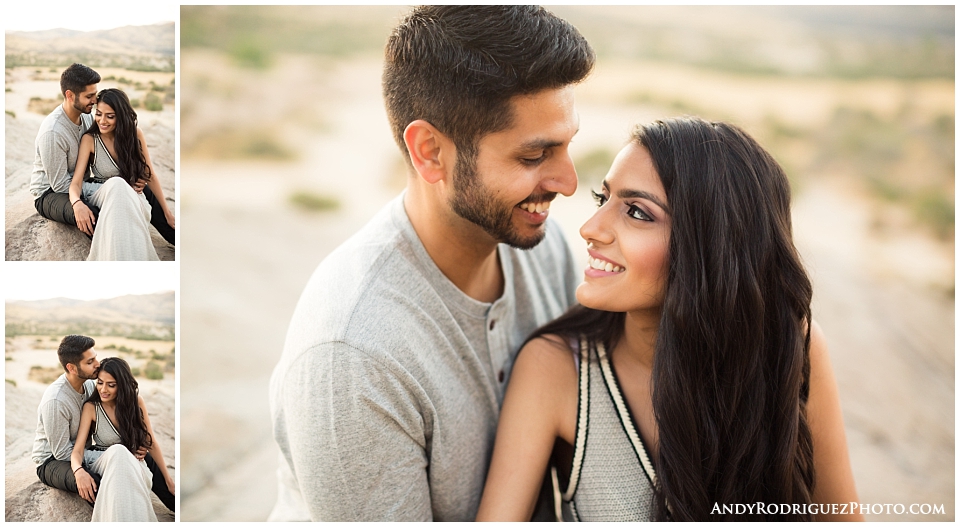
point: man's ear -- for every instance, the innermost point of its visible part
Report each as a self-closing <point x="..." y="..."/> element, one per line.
<point x="69" y="96"/>
<point x="69" y="371"/>
<point x="432" y="153"/>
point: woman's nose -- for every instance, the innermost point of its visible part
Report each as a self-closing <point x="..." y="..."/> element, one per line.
<point x="597" y="228"/>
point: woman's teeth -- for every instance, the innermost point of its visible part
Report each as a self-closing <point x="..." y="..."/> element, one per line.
<point x="537" y="208"/>
<point x="602" y="265"/>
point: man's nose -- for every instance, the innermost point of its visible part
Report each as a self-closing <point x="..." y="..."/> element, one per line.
<point x="561" y="177"/>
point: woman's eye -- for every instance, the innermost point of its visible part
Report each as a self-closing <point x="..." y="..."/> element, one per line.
<point x="637" y="213"/>
<point x="598" y="197"/>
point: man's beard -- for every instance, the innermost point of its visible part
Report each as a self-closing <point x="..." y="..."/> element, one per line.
<point x="83" y="375"/>
<point x="81" y="109"/>
<point x="473" y="202"/>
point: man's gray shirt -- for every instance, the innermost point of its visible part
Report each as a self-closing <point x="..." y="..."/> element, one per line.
<point x="56" y="150"/>
<point x="58" y="420"/>
<point x="386" y="398"/>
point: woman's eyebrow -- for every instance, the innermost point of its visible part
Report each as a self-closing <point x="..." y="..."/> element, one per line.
<point x="630" y="193"/>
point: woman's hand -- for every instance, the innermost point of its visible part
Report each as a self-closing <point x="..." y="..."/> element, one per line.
<point x="171" y="221"/>
<point x="86" y="486"/>
<point x="170" y="484"/>
<point x="84" y="216"/>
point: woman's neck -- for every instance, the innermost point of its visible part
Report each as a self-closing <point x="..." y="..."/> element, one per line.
<point x="109" y="404"/>
<point x="639" y="339"/>
<point x="107" y="136"/>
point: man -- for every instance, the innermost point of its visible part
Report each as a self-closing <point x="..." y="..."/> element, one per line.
<point x="59" y="420"/>
<point x="57" y="148"/>
<point x="386" y="398"/>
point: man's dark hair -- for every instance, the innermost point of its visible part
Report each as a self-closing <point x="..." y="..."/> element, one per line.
<point x="457" y="67"/>
<point x="72" y="348"/>
<point x="76" y="78"/>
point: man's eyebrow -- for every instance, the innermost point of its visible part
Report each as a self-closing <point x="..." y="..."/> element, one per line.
<point x="539" y="144"/>
<point x="542" y="143"/>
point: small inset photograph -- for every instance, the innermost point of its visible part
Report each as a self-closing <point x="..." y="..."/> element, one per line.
<point x="90" y="402"/>
<point x="90" y="113"/>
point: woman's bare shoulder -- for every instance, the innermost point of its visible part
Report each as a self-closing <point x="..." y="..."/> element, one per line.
<point x="549" y="357"/>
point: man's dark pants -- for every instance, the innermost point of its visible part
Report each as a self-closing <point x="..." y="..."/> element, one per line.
<point x="57" y="474"/>
<point x="56" y="206"/>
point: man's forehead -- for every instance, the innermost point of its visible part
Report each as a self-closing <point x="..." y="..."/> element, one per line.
<point x="89" y="354"/>
<point x="542" y="120"/>
<point x="90" y="89"/>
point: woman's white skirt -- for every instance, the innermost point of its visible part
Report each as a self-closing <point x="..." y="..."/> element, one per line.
<point x="123" y="228"/>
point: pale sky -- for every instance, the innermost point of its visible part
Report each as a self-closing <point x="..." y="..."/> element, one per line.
<point x="85" y="280"/>
<point x="39" y="15"/>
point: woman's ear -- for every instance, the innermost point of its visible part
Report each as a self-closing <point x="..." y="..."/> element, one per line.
<point x="432" y="153"/>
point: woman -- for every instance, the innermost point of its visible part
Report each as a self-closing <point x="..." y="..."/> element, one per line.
<point x="691" y="378"/>
<point x="119" y="166"/>
<point x="117" y="420"/>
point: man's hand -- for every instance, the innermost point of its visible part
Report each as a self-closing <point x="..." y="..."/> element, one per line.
<point x="86" y="487"/>
<point x="140" y="453"/>
<point x="170" y="484"/>
<point x="85" y="218"/>
<point x="138" y="186"/>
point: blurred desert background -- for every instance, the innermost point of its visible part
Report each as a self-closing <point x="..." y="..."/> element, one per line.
<point x="286" y="152"/>
<point x="137" y="328"/>
<point x="140" y="60"/>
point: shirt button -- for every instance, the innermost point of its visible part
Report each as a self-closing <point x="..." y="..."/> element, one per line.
<point x="492" y="323"/>
<point x="500" y="376"/>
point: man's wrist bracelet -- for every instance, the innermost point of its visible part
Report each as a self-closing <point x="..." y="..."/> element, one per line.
<point x="72" y="203"/>
<point x="75" y="471"/>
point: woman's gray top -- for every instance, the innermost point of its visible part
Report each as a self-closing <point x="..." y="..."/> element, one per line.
<point x="103" y="166"/>
<point x="611" y="478"/>
<point x="104" y="432"/>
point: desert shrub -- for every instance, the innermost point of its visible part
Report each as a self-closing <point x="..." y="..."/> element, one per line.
<point x="592" y="166"/>
<point x="152" y="102"/>
<point x="312" y="201"/>
<point x="44" y="375"/>
<point x="153" y="371"/>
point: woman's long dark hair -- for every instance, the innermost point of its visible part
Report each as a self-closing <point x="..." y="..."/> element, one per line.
<point x="130" y="159"/>
<point x="731" y="368"/>
<point x="130" y="419"/>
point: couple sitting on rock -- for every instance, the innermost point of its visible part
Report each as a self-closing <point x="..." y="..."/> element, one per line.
<point x="94" y="437"/>
<point x="96" y="173"/>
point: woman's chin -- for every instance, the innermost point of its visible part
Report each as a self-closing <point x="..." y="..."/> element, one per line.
<point x="588" y="296"/>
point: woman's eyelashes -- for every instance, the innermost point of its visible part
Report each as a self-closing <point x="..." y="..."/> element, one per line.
<point x="598" y="197"/>
<point x="633" y="211"/>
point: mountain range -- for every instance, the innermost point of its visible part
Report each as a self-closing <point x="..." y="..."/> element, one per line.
<point x="146" y="317"/>
<point x="145" y="48"/>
